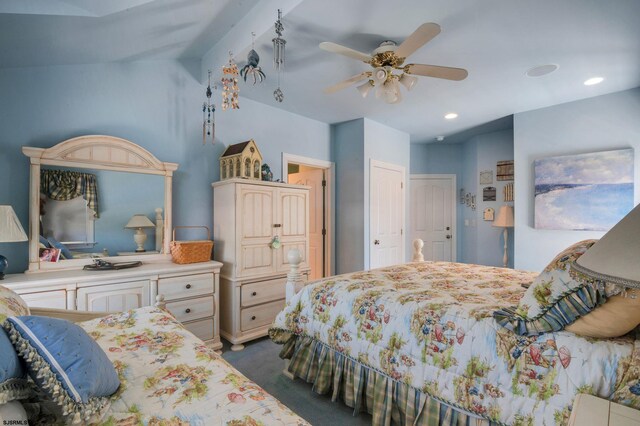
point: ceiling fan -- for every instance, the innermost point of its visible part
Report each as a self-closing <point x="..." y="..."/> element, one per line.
<point x="390" y="57"/>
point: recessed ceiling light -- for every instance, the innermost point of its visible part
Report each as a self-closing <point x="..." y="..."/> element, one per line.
<point x="593" y="80"/>
<point x="541" y="70"/>
<point x="451" y="116"/>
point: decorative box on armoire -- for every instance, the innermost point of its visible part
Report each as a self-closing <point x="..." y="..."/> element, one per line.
<point x="255" y="225"/>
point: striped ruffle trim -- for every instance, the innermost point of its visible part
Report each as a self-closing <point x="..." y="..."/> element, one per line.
<point x="564" y="311"/>
<point x="365" y="388"/>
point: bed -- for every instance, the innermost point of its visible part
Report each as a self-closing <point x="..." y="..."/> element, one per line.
<point x="417" y="344"/>
<point x="167" y="376"/>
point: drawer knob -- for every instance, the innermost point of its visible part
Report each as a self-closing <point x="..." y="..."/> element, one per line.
<point x="254" y="293"/>
<point x="253" y="318"/>
<point x="188" y="286"/>
<point x="188" y="310"/>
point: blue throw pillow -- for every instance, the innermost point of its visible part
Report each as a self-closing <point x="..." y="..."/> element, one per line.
<point x="13" y="377"/>
<point x="66" y="363"/>
<point x="63" y="249"/>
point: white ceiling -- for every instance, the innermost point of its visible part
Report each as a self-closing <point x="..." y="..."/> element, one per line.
<point x="497" y="41"/>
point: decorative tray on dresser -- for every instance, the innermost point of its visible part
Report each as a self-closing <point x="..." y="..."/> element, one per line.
<point x="191" y="292"/>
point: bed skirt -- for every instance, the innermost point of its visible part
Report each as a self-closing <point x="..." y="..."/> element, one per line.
<point x="364" y="388"/>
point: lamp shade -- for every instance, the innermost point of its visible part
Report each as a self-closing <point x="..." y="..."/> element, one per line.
<point x="140" y="221"/>
<point x="408" y="81"/>
<point x="615" y="258"/>
<point x="365" y="88"/>
<point x="505" y="217"/>
<point x="11" y="230"/>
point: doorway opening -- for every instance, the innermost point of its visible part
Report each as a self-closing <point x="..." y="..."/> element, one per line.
<point x="318" y="175"/>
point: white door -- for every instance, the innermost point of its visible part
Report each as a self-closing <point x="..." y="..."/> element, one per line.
<point x="386" y="214"/>
<point x="314" y="178"/>
<point x="433" y="215"/>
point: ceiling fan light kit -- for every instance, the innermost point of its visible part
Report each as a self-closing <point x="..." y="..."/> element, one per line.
<point x="390" y="57"/>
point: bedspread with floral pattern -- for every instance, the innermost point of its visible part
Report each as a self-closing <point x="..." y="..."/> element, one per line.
<point x="169" y="377"/>
<point x="430" y="326"/>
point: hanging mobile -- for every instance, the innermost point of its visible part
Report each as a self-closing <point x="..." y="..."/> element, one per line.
<point x="230" y="87"/>
<point x="278" y="55"/>
<point x="252" y="67"/>
<point x="208" y="116"/>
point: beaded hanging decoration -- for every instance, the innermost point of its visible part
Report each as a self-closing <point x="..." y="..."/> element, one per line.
<point x="230" y="87"/>
<point x="278" y="55"/>
<point x="208" y="116"/>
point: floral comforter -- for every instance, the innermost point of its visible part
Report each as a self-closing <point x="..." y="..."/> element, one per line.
<point x="169" y="377"/>
<point x="430" y="326"/>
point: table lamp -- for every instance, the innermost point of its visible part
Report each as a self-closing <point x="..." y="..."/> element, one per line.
<point x="139" y="222"/>
<point x="504" y="220"/>
<point x="11" y="231"/>
<point x="614" y="259"/>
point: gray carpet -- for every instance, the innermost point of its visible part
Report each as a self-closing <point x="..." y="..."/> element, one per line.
<point x="259" y="361"/>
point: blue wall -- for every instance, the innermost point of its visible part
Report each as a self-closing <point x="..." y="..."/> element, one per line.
<point x="597" y="124"/>
<point x="156" y="104"/>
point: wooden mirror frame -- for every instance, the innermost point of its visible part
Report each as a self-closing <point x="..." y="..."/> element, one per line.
<point x="102" y="153"/>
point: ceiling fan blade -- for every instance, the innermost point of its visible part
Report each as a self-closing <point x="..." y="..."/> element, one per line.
<point x="436" y="71"/>
<point x="419" y="38"/>
<point x="346" y="83"/>
<point x="346" y="51"/>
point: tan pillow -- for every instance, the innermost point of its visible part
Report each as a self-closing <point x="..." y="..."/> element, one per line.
<point x="616" y="317"/>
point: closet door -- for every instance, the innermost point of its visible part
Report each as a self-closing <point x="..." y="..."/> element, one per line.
<point x="255" y="216"/>
<point x="292" y="227"/>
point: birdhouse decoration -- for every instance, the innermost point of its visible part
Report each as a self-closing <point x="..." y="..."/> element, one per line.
<point x="242" y="160"/>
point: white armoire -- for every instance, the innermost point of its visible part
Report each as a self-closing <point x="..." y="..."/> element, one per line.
<point x="255" y="225"/>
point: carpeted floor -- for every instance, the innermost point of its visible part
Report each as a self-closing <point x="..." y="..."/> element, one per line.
<point x="260" y="362"/>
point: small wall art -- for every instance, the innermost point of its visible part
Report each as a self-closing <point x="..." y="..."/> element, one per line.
<point x="489" y="193"/>
<point x="488" y="214"/>
<point x="505" y="170"/>
<point x="507" y="192"/>
<point x="486" y="177"/>
<point x="583" y="192"/>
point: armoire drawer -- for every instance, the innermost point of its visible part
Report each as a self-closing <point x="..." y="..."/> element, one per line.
<point x="186" y="286"/>
<point x="262" y="292"/>
<point x="192" y="309"/>
<point x="261" y="315"/>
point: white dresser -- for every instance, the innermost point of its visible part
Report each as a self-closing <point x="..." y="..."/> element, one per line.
<point x="247" y="217"/>
<point x="191" y="292"/>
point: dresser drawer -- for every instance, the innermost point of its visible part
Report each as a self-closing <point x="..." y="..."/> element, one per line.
<point x="47" y="299"/>
<point x="258" y="316"/>
<point x="203" y="329"/>
<point x="185" y="286"/>
<point x="192" y="309"/>
<point x="262" y="292"/>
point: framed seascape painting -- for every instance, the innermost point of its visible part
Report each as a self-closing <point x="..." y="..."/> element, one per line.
<point x="590" y="192"/>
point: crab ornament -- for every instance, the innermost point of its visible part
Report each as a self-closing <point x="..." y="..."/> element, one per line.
<point x="252" y="68"/>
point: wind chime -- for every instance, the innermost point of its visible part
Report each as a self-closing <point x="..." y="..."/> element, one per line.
<point x="230" y="87"/>
<point x="278" y="55"/>
<point x="208" y="116"/>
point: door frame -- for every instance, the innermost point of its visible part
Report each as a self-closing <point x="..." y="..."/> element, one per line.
<point x="330" y="177"/>
<point x="381" y="164"/>
<point x="454" y="207"/>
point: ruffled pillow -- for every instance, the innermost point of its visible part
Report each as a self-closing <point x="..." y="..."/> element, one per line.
<point x="67" y="364"/>
<point x="554" y="299"/>
<point x="13" y="377"/>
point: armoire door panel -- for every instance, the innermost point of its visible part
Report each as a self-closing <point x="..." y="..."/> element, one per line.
<point x="256" y="259"/>
<point x="282" y="255"/>
<point x="292" y="213"/>
<point x="255" y="213"/>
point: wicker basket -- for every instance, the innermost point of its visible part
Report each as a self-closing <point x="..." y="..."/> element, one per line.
<point x="191" y="251"/>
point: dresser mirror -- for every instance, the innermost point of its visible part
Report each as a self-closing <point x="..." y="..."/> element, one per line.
<point x="65" y="213"/>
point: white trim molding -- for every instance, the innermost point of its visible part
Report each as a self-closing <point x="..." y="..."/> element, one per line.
<point x="330" y="177"/>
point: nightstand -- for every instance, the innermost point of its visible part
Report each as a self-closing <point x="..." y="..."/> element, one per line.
<point x="589" y="410"/>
